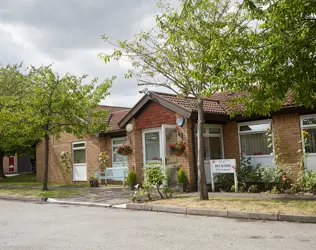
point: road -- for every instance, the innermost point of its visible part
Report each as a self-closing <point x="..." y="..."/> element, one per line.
<point x="48" y="226"/>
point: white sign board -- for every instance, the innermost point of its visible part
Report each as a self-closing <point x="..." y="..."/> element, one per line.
<point x="224" y="166"/>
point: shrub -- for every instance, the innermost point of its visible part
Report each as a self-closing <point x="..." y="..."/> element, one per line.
<point x="253" y="189"/>
<point x="276" y="177"/>
<point x="181" y="176"/>
<point x="131" y="178"/>
<point x="154" y="176"/>
<point x="306" y="182"/>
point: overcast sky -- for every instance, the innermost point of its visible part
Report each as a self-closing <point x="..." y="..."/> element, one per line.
<point x="67" y="33"/>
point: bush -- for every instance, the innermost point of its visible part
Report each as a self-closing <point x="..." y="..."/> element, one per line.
<point x="181" y="176"/>
<point x="306" y="182"/>
<point x="253" y="189"/>
<point x="276" y="177"/>
<point x="131" y="178"/>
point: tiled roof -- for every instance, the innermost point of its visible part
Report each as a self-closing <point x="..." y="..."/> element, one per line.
<point x="210" y="105"/>
<point x="116" y="114"/>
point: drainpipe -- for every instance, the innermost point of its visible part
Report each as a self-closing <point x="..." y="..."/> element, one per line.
<point x="194" y="157"/>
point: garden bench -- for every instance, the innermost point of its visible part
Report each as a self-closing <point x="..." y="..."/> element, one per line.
<point x="112" y="174"/>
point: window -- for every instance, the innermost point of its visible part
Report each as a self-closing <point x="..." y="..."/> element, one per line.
<point x="79" y="152"/>
<point x="308" y="124"/>
<point x="253" y="138"/>
<point x="116" y="142"/>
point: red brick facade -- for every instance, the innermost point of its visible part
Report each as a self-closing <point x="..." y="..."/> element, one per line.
<point x="287" y="129"/>
<point x="154" y="116"/>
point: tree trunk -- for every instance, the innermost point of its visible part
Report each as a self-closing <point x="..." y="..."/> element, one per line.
<point x="2" y="175"/>
<point x="200" y="159"/>
<point x="46" y="152"/>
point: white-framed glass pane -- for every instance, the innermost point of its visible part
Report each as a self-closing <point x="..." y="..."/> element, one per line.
<point x="214" y="130"/>
<point x="152" y="146"/>
<point x="255" y="144"/>
<point x="310" y="144"/>
<point x="170" y="138"/>
<point x="255" y="127"/>
<point x="309" y="121"/>
<point x="117" y="158"/>
<point x="215" y="147"/>
<point x="120" y="141"/>
<point x="79" y="145"/>
<point x="79" y="156"/>
<point x="207" y="154"/>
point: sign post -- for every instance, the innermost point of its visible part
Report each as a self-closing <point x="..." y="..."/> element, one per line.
<point x="224" y="166"/>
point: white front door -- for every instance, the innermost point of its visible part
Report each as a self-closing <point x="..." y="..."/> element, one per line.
<point x="213" y="147"/>
<point x="79" y="168"/>
<point x="118" y="161"/>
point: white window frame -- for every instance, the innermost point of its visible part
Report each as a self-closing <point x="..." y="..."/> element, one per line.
<point x="150" y="130"/>
<point x="207" y="134"/>
<point x="303" y="117"/>
<point x="73" y="157"/>
<point x="259" y="122"/>
<point x="112" y="144"/>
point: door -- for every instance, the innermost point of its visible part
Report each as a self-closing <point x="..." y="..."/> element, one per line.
<point x="118" y="161"/>
<point x="169" y="136"/>
<point x="308" y="127"/>
<point x="152" y="147"/>
<point x="213" y="147"/>
<point x="79" y="170"/>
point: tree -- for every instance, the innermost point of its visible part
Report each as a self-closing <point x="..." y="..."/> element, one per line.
<point x="280" y="54"/>
<point x="185" y="54"/>
<point x="57" y="104"/>
<point x="15" y="137"/>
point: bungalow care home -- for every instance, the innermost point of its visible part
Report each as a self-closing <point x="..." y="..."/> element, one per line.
<point x="161" y="119"/>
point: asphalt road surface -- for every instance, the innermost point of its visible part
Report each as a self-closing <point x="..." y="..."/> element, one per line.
<point x="48" y="226"/>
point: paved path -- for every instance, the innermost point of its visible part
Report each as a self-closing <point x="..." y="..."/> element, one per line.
<point x="47" y="226"/>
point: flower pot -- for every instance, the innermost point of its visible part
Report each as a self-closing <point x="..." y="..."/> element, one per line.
<point x="94" y="183"/>
<point x="182" y="187"/>
<point x="123" y="152"/>
<point x="131" y="186"/>
<point x="177" y="153"/>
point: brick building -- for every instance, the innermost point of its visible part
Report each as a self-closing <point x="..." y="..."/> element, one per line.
<point x="160" y="119"/>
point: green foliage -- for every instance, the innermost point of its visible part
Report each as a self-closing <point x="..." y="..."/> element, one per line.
<point x="65" y="161"/>
<point x="253" y="189"/>
<point x="131" y="178"/>
<point x="181" y="176"/>
<point x="306" y="182"/>
<point x="277" y="177"/>
<point x="278" y="54"/>
<point x="92" y="178"/>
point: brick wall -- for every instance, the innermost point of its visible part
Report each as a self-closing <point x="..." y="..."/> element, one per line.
<point x="135" y="159"/>
<point x="186" y="160"/>
<point x="287" y="129"/>
<point x="57" y="173"/>
<point x="154" y="116"/>
<point x="230" y="138"/>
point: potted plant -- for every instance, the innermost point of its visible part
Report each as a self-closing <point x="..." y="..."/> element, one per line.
<point x="131" y="180"/>
<point x="93" y="182"/>
<point x="124" y="149"/>
<point x="182" y="180"/>
<point x="177" y="149"/>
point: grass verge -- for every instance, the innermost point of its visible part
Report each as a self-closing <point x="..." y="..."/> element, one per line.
<point x="38" y="192"/>
<point x="245" y="204"/>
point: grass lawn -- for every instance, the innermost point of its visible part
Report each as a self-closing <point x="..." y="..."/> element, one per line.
<point x="30" y="180"/>
<point x="38" y="192"/>
<point x="245" y="204"/>
<point x="26" y="185"/>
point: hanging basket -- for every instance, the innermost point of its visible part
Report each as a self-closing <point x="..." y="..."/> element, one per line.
<point x="123" y="152"/>
<point x="177" y="153"/>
